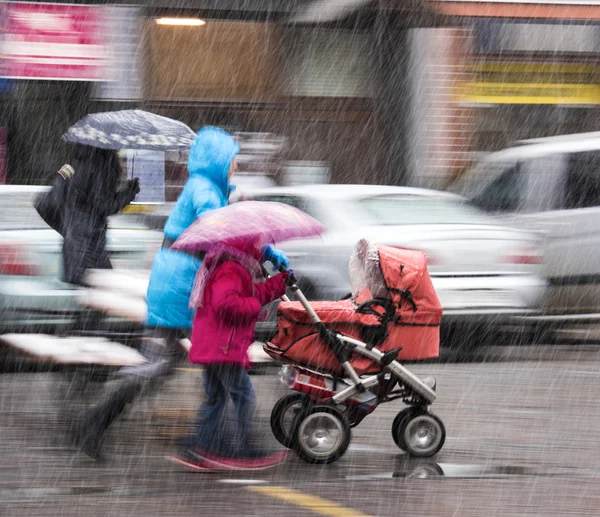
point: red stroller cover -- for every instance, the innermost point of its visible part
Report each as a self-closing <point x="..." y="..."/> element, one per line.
<point x="412" y="322"/>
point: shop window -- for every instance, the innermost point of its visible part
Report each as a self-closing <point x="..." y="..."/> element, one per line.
<point x="582" y="182"/>
<point x="327" y="63"/>
<point x="220" y="60"/>
<point x="498" y="37"/>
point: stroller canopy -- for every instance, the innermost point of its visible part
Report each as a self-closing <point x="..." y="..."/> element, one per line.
<point x="396" y="274"/>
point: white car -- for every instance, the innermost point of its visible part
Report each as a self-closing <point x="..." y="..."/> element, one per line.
<point x="550" y="185"/>
<point x="481" y="270"/>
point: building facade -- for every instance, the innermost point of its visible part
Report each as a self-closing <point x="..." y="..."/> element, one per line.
<point x="330" y="89"/>
<point x="390" y="92"/>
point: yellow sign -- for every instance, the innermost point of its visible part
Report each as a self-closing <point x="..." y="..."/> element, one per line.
<point x="528" y="93"/>
<point x="139" y="208"/>
<point x="529" y="68"/>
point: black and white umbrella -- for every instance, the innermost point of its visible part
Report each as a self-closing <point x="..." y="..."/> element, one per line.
<point x="130" y="129"/>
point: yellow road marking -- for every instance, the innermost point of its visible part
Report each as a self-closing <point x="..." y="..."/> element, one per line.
<point x="309" y="502"/>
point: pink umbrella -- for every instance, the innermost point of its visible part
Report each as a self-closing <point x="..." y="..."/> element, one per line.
<point x="247" y="222"/>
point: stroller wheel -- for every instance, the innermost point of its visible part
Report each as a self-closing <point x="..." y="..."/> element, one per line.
<point x="321" y="434"/>
<point x="398" y="425"/>
<point x="418" y="432"/>
<point x="284" y="415"/>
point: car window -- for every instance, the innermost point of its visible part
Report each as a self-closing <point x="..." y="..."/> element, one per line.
<point x="544" y="182"/>
<point x="478" y="178"/>
<point x="399" y="210"/>
<point x="295" y="201"/>
<point x="503" y="194"/>
<point x="582" y="181"/>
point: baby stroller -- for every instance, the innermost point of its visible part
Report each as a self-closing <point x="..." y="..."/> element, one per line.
<point x="344" y="357"/>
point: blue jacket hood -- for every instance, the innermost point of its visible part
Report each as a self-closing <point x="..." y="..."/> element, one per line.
<point x="211" y="154"/>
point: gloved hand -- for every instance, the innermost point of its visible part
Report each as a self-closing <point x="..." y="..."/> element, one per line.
<point x="134" y="186"/>
<point x="289" y="277"/>
<point x="275" y="257"/>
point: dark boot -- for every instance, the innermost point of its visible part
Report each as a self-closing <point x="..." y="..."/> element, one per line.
<point x="88" y="440"/>
<point x="89" y="433"/>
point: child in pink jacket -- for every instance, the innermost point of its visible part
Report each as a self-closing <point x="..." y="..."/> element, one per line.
<point x="229" y="300"/>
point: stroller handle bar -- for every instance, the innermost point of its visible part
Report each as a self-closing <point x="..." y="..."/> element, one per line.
<point x="334" y="340"/>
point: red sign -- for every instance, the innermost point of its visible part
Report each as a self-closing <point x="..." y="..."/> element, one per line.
<point x="54" y="41"/>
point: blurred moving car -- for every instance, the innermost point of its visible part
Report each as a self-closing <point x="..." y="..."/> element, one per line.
<point x="483" y="271"/>
<point x="551" y="185"/>
<point x="245" y="181"/>
<point x="32" y="297"/>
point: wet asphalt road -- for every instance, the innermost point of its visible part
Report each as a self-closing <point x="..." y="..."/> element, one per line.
<point x="523" y="440"/>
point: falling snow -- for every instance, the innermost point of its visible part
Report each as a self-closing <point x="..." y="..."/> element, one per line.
<point x="466" y="130"/>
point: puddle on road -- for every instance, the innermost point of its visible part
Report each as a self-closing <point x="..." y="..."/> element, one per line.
<point x="412" y="469"/>
<point x="406" y="469"/>
<point x="34" y="493"/>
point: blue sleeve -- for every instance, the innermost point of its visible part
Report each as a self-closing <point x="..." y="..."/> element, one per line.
<point x="204" y="200"/>
<point x="276" y="257"/>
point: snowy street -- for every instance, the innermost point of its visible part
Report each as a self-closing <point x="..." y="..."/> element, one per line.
<point x="522" y="441"/>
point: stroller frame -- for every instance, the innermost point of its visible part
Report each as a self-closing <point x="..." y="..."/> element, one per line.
<point x="412" y="427"/>
<point x="341" y="345"/>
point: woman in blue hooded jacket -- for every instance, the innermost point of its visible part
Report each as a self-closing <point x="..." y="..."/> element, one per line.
<point x="211" y="163"/>
<point x="210" y="160"/>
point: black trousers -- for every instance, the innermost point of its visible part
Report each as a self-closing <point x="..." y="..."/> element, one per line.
<point x="163" y="350"/>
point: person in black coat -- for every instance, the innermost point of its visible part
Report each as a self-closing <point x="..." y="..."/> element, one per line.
<point x="93" y="195"/>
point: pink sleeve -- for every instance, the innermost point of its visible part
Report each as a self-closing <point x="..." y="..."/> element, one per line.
<point x="270" y="289"/>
